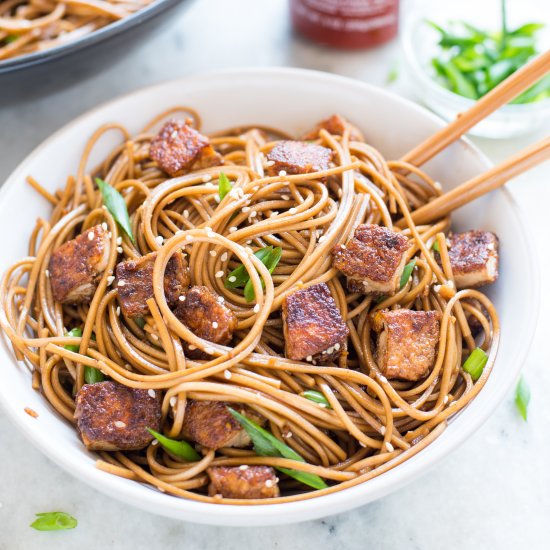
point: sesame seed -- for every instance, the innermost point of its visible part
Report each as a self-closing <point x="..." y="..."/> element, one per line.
<point x="154" y="337"/>
<point x="245" y="209"/>
<point x="119" y="249"/>
<point x="309" y="358"/>
<point x="179" y="232"/>
<point x="221" y="299"/>
<point x="227" y="375"/>
<point x="253" y="214"/>
<point x="339" y="193"/>
<point x="214" y="324"/>
<point x="47" y="272"/>
<point x="121" y="283"/>
<point x="173" y="401"/>
<point x="292" y="210"/>
<point x="243" y="467"/>
<point x="389" y="446"/>
<point x="210" y="234"/>
<point x="322" y="238"/>
<point x="336" y="347"/>
<point x="269" y="483"/>
<point x="186" y="213"/>
<point x="223" y="257"/>
<point x="445" y="399"/>
<point x="206" y="177"/>
<point x="119" y="240"/>
<point x="232" y="279"/>
<point x="174" y="134"/>
<point x="274" y="213"/>
<point x="282" y="173"/>
<point x="91" y="235"/>
<point x="210" y="351"/>
<point x="120" y="424"/>
<point x="192" y="347"/>
<point x="330" y="350"/>
<point x="382" y="430"/>
<point x="256" y="308"/>
<point x="104" y="226"/>
<point x="362" y="444"/>
<point x="159" y="239"/>
<point x="118" y="310"/>
<point x="322" y="405"/>
<point x="285" y="197"/>
<point x="270" y="163"/>
<point x="232" y="229"/>
<point x="151" y="393"/>
<point x="437" y="185"/>
<point x="219" y="274"/>
<point x="383" y="379"/>
<point x="288" y="434"/>
<point x="181" y="298"/>
<point x="154" y="442"/>
<point x="213" y="253"/>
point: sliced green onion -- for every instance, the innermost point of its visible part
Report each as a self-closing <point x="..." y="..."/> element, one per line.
<point x="11" y="38"/>
<point x="224" y="185"/>
<point x="407" y="272"/>
<point x="316" y="397"/>
<point x="270" y="262"/>
<point x="93" y="375"/>
<point x="239" y="276"/>
<point x="435" y="246"/>
<point x="140" y="322"/>
<point x="176" y="447"/>
<point x="54" y="521"/>
<point x="393" y="73"/>
<point x="523" y="396"/>
<point x="475" y="363"/>
<point x="266" y="444"/>
<point x="73" y="333"/>
<point x="116" y="205"/>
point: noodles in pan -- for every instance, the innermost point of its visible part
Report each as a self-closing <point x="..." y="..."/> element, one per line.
<point x="354" y="371"/>
<point x="28" y="26"/>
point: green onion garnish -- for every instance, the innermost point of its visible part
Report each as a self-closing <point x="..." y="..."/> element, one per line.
<point x="176" y="447"/>
<point x="393" y="73"/>
<point x="91" y="375"/>
<point x="475" y="363"/>
<point x="116" y="205"/>
<point x="73" y="333"/>
<point x="224" y="185"/>
<point x="140" y="322"/>
<point x="266" y="444"/>
<point x="270" y="262"/>
<point x="316" y="397"/>
<point x="53" y="521"/>
<point x="407" y="272"/>
<point x="11" y="38"/>
<point x="523" y="396"/>
<point x="435" y="246"/>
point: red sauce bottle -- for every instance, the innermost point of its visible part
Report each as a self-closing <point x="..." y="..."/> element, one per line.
<point x="351" y="24"/>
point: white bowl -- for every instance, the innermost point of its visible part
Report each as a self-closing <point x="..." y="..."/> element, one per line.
<point x="292" y="100"/>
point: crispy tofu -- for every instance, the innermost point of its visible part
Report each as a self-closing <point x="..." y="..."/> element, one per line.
<point x="210" y="424"/>
<point x="244" y="482"/>
<point x="407" y="342"/>
<point x="313" y="326"/>
<point x="113" y="417"/>
<point x="474" y="258"/>
<point x="178" y="149"/>
<point x="76" y="266"/>
<point x="135" y="282"/>
<point x="206" y="316"/>
<point x="335" y="125"/>
<point x="372" y="260"/>
<point x="297" y="157"/>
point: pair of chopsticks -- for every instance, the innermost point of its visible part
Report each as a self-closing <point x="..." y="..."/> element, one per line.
<point x="497" y="175"/>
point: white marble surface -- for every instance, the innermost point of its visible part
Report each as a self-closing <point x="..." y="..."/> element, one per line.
<point x="491" y="493"/>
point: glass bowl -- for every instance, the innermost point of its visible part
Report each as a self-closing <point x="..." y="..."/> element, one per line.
<point x="419" y="43"/>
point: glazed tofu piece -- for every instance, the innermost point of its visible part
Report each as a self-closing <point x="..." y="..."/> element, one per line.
<point x="210" y="424"/>
<point x="76" y="266"/>
<point x="407" y="342"/>
<point x="335" y="125"/>
<point x="297" y="157"/>
<point x="244" y="482"/>
<point x="135" y="282"/>
<point x="372" y="260"/>
<point x="474" y="258"/>
<point x="206" y="316"/>
<point x="178" y="149"/>
<point x="313" y="326"/>
<point x="113" y="417"/>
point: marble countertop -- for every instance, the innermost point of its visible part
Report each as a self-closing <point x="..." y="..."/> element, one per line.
<point x="491" y="493"/>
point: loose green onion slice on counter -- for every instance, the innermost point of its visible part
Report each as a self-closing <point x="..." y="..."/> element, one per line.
<point x="176" y="447"/>
<point x="475" y="363"/>
<point x="316" y="397"/>
<point x="266" y="444"/>
<point x="523" y="396"/>
<point x="407" y="272"/>
<point x="54" y="521"/>
<point x="224" y="185"/>
<point x="116" y="205"/>
<point x="270" y="262"/>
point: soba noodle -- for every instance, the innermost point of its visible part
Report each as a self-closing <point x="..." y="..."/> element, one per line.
<point x="372" y="425"/>
<point x="28" y="26"/>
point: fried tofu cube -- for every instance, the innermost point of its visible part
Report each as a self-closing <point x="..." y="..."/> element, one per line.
<point x="372" y="260"/>
<point x="178" y="149"/>
<point x="313" y="326"/>
<point x="135" y="282"/>
<point x="210" y="424"/>
<point x="474" y="258"/>
<point x="76" y="266"/>
<point x="114" y="417"/>
<point x="407" y="342"/>
<point x="297" y="157"/>
<point x="243" y="482"/>
<point x="335" y="125"/>
<point x="206" y="316"/>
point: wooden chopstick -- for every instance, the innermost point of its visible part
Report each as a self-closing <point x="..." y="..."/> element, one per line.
<point x="481" y="184"/>
<point x="498" y="96"/>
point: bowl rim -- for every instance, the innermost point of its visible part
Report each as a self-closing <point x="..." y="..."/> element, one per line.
<point x="410" y="28"/>
<point x="12" y="65"/>
<point x="154" y="501"/>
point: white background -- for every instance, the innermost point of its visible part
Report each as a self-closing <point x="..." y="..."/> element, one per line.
<point x="494" y="492"/>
